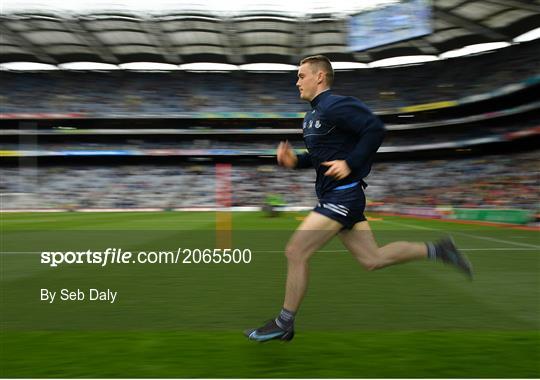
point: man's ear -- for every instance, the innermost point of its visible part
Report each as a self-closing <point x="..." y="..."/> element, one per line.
<point x="320" y="76"/>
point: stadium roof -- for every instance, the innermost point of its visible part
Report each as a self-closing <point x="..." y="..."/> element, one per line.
<point x="269" y="33"/>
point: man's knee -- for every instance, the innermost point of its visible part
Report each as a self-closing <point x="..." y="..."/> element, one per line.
<point x="371" y="264"/>
<point x="295" y="253"/>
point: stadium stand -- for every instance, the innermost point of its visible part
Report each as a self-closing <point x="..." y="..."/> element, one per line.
<point x="261" y="92"/>
<point x="489" y="181"/>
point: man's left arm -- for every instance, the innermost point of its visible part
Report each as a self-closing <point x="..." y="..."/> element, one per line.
<point x="370" y="130"/>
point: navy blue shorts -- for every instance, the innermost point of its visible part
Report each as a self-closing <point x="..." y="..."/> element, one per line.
<point x="344" y="204"/>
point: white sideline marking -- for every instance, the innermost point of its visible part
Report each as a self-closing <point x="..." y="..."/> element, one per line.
<point x="461" y="249"/>
<point x="323" y="250"/>
<point x="464" y="234"/>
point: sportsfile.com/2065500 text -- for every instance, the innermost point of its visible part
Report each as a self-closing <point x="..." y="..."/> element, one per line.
<point x="119" y="256"/>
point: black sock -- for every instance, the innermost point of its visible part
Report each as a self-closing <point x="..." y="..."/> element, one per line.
<point x="285" y="320"/>
<point x="431" y="251"/>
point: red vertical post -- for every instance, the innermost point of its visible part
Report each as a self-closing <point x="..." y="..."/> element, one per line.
<point x="223" y="206"/>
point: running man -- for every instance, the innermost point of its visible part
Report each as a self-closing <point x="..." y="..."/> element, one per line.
<point x="342" y="136"/>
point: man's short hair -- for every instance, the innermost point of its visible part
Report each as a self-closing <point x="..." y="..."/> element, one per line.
<point x="320" y="62"/>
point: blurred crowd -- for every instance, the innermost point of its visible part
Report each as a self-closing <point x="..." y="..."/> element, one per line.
<point x="146" y="186"/>
<point x="148" y="142"/>
<point x="497" y="181"/>
<point x="110" y="92"/>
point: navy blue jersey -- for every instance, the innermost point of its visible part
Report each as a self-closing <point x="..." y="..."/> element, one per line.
<point x="340" y="128"/>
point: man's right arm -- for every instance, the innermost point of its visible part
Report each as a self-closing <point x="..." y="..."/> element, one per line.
<point x="287" y="157"/>
<point x="304" y="161"/>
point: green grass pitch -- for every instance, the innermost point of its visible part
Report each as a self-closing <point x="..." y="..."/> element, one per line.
<point x="421" y="319"/>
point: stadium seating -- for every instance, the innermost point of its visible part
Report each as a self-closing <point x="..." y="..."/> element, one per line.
<point x="489" y="181"/>
<point x="110" y="92"/>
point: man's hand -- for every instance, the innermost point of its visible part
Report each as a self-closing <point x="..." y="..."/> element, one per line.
<point x="337" y="169"/>
<point x="286" y="156"/>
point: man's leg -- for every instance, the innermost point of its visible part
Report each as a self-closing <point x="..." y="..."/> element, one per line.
<point x="315" y="231"/>
<point x="361" y="243"/>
